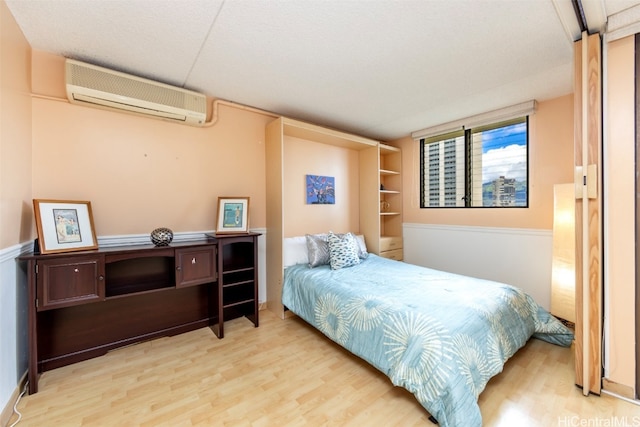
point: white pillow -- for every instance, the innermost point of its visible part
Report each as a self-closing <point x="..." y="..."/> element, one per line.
<point x="363" y="246"/>
<point x="295" y="251"/>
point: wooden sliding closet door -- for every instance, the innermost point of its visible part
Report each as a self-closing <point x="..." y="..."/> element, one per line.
<point x="637" y="207"/>
<point x="588" y="162"/>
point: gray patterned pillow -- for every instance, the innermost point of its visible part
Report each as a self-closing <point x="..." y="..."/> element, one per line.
<point x="343" y="250"/>
<point x="318" y="249"/>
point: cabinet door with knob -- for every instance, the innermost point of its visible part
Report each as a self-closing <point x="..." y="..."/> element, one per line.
<point x="64" y="282"/>
<point x="195" y="266"/>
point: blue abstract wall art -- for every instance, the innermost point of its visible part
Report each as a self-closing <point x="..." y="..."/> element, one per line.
<point x="321" y="190"/>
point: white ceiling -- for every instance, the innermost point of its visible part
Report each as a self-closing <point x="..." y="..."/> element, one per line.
<point x="379" y="68"/>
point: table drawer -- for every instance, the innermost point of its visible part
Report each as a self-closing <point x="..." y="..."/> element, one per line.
<point x="388" y="243"/>
<point x="394" y="254"/>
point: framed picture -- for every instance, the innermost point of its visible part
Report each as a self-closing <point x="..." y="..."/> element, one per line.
<point x="64" y="225"/>
<point x="233" y="215"/>
<point x="321" y="190"/>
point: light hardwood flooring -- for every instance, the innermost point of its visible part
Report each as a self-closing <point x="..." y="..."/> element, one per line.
<point x="285" y="373"/>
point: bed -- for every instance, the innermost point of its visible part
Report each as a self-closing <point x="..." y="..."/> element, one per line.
<point x="439" y="335"/>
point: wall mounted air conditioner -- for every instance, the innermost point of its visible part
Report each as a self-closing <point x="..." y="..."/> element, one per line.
<point x="103" y="88"/>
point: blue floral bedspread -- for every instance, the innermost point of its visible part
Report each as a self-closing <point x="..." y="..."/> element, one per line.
<point x="439" y="335"/>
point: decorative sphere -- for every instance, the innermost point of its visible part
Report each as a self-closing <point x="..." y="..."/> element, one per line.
<point x="161" y="236"/>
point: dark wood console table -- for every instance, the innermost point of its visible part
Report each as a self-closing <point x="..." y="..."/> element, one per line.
<point x="83" y="304"/>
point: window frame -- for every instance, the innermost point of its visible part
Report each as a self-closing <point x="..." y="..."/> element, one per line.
<point x="468" y="133"/>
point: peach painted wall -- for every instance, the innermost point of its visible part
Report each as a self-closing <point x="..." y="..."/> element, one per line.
<point x="141" y="173"/>
<point x="15" y="205"/>
<point x="550" y="162"/>
<point x="15" y="133"/>
<point x="304" y="157"/>
<point x="620" y="213"/>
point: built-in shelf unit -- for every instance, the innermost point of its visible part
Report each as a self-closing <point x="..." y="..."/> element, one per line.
<point x="390" y="202"/>
<point x="380" y="208"/>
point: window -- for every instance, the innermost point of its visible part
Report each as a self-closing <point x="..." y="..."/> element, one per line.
<point x="484" y="166"/>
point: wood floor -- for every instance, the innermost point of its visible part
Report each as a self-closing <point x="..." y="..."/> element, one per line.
<point x="285" y="373"/>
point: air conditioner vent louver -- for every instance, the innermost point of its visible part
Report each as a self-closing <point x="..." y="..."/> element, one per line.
<point x="104" y="88"/>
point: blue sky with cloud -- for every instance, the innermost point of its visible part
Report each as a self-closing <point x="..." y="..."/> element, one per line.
<point x="504" y="153"/>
